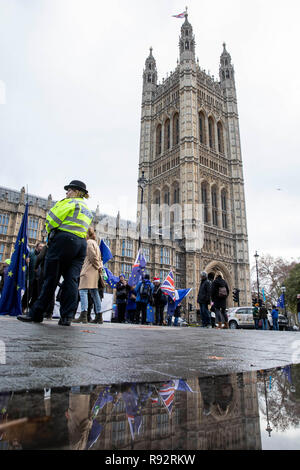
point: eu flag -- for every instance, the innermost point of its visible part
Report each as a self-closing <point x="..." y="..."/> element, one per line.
<point x="138" y="270"/>
<point x="105" y="252"/>
<point x="280" y="301"/>
<point x="10" y="302"/>
<point x="110" y="279"/>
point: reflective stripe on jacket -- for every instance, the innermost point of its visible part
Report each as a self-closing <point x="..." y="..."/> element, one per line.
<point x="70" y="215"/>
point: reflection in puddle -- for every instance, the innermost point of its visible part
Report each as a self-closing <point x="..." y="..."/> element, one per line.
<point x="253" y="410"/>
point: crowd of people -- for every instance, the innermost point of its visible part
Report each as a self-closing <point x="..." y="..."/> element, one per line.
<point x="133" y="302"/>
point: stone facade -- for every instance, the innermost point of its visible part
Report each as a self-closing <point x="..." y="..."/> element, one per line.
<point x="190" y="155"/>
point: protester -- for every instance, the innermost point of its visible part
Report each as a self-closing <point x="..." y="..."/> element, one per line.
<point x="274" y="314"/>
<point x="255" y="312"/>
<point x="144" y="290"/>
<point x="298" y="309"/>
<point x="203" y="300"/>
<point x="89" y="277"/>
<point x="159" y="301"/>
<point x="122" y="290"/>
<point x="263" y="316"/>
<point x="131" y="305"/>
<point x="219" y="294"/>
<point x="67" y="223"/>
<point x="3" y="273"/>
<point x="92" y="303"/>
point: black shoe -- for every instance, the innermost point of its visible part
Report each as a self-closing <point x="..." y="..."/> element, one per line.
<point x="64" y="322"/>
<point x="24" y="318"/>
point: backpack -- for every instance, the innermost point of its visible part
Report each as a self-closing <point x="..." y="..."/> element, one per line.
<point x="222" y="292"/>
<point x="145" y="291"/>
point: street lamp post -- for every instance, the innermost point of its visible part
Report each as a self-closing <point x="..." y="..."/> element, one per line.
<point x="256" y="256"/>
<point x="142" y="181"/>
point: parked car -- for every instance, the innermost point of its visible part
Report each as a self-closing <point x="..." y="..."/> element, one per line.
<point x="242" y="317"/>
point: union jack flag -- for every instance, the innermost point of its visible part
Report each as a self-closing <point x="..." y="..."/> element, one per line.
<point x="180" y="15"/>
<point x="167" y="393"/>
<point x="168" y="286"/>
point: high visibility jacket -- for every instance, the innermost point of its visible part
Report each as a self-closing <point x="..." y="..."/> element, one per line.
<point x="70" y="215"/>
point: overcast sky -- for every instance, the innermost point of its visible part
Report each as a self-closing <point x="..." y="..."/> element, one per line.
<point x="71" y="84"/>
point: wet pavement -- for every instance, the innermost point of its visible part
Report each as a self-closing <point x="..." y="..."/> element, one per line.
<point x="133" y="387"/>
<point x="256" y="410"/>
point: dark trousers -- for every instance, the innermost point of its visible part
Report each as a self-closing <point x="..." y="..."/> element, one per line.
<point x="141" y="307"/>
<point x="221" y="315"/>
<point x="131" y="315"/>
<point x="205" y="315"/>
<point x="159" y="314"/>
<point x="121" y="312"/>
<point x="65" y="258"/>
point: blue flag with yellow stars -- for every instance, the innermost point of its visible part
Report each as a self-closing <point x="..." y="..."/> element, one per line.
<point x="10" y="302"/>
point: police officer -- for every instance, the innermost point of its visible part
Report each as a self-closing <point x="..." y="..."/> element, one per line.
<point x="67" y="224"/>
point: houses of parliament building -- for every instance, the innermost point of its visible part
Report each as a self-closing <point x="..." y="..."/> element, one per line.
<point x="193" y="216"/>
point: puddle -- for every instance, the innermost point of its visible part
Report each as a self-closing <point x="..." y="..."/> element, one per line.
<point x="246" y="411"/>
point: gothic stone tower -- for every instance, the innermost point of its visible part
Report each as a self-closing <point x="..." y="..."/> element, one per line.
<point x="190" y="154"/>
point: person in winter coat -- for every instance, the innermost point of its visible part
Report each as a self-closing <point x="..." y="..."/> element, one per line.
<point x="131" y="305"/>
<point x="255" y="313"/>
<point x="274" y="314"/>
<point x="3" y="273"/>
<point x="159" y="301"/>
<point x="219" y="294"/>
<point x="122" y="290"/>
<point x="263" y="316"/>
<point x="144" y="290"/>
<point x="89" y="277"/>
<point x="203" y="300"/>
<point x="39" y="269"/>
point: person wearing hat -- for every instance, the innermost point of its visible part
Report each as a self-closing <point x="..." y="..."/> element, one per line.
<point x="255" y="313"/>
<point x="67" y="223"/>
<point x="159" y="300"/>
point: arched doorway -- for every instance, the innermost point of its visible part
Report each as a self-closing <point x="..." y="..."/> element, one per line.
<point x="217" y="266"/>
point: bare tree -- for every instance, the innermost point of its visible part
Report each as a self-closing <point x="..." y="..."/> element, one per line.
<point x="272" y="273"/>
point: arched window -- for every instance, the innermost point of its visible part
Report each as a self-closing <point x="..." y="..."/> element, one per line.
<point x="224" y="209"/>
<point x="204" y="200"/>
<point x="167" y="197"/>
<point x="214" y="206"/>
<point x="167" y="135"/>
<point x="220" y="138"/>
<point x="187" y="45"/>
<point x="176" y="195"/>
<point x="158" y="139"/>
<point x="211" y="132"/>
<point x="176" y="129"/>
<point x="202" y="128"/>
